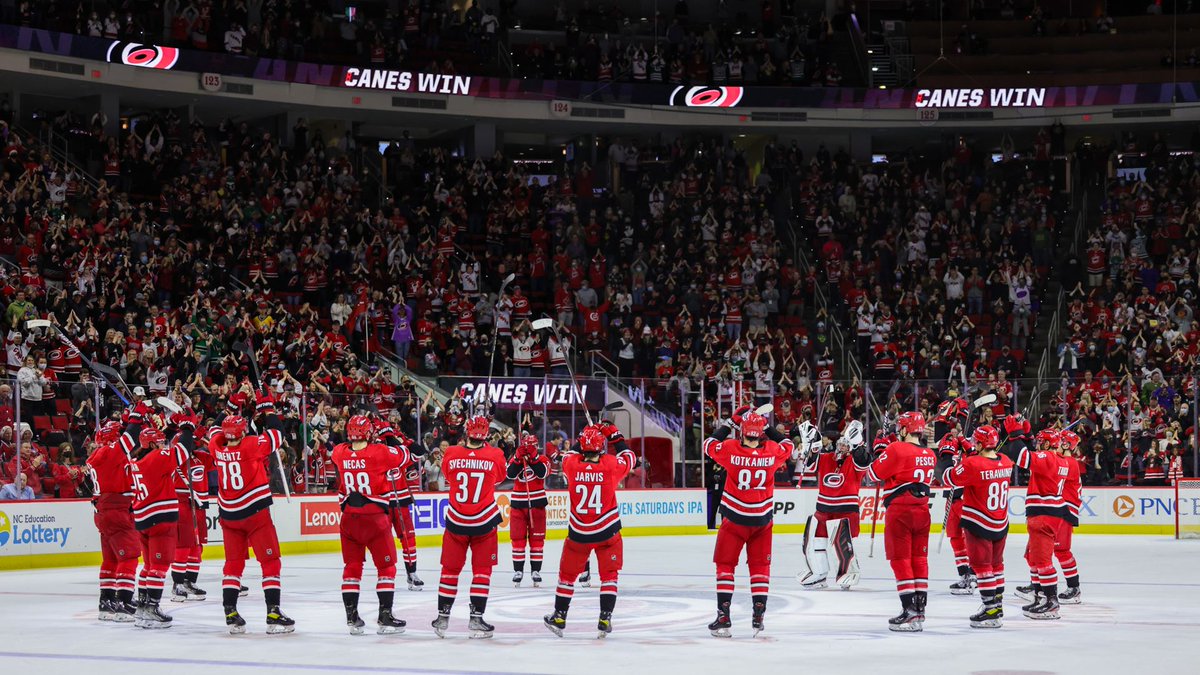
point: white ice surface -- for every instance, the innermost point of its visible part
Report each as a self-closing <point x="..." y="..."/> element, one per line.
<point x="1141" y="615"/>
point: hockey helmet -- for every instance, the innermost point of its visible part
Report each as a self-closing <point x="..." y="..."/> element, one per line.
<point x="529" y="441"/>
<point x="1047" y="437"/>
<point x="591" y="440"/>
<point x="108" y="433"/>
<point x="478" y="428"/>
<point x="753" y="425"/>
<point x="234" y="427"/>
<point x="911" y="423"/>
<point x="151" y="437"/>
<point x="986" y="437"/>
<point x="1068" y="439"/>
<point x="358" y="428"/>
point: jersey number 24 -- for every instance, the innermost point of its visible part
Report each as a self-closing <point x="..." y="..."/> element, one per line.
<point x="589" y="499"/>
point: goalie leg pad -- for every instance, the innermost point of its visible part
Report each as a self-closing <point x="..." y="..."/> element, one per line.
<point x="841" y="553"/>
<point x="815" y="556"/>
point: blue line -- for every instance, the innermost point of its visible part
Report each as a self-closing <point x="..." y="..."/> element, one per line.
<point x="243" y="664"/>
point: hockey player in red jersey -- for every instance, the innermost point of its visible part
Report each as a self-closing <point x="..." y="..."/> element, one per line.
<point x="593" y="521"/>
<point x="839" y="468"/>
<point x="119" y="543"/>
<point x="906" y="471"/>
<point x="528" y="468"/>
<point x="956" y="446"/>
<point x="983" y="477"/>
<point x="748" y="509"/>
<point x="471" y="471"/>
<point x="366" y="475"/>
<point x="191" y="491"/>
<point x="156" y="516"/>
<point x="1073" y="495"/>
<point x="402" y="498"/>
<point x="244" y="500"/>
<point x="1044" y="509"/>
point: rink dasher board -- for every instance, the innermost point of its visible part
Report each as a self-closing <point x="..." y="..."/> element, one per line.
<point x="62" y="533"/>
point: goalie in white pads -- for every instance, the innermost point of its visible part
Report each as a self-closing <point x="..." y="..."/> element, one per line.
<point x="829" y="533"/>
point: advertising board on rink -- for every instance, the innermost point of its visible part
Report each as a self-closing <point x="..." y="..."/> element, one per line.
<point x="1115" y="510"/>
<point x="59" y="533"/>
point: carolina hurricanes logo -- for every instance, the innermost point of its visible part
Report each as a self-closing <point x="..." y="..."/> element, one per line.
<point x="833" y="480"/>
<point x="197" y="474"/>
<point x="706" y="97"/>
<point x="142" y="56"/>
<point x="528" y="474"/>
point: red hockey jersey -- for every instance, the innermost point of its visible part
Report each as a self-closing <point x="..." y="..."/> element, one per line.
<point x="196" y="469"/>
<point x="243" y="487"/>
<point x="592" y="489"/>
<point x="749" y="495"/>
<point x="1048" y="474"/>
<point x="154" y="498"/>
<point x="111" y="475"/>
<point x="838" y="481"/>
<point x="529" y="482"/>
<point x="367" y="477"/>
<point x="410" y="472"/>
<point x="1073" y="491"/>
<point x="472" y="474"/>
<point x="906" y="471"/>
<point x="984" y="483"/>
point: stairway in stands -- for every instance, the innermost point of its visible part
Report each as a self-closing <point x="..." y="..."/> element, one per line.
<point x="1051" y="318"/>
